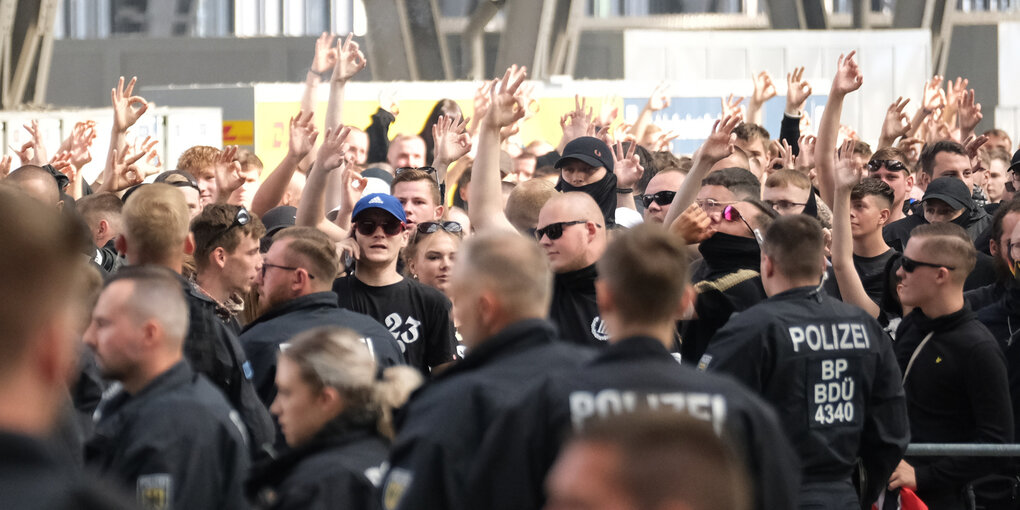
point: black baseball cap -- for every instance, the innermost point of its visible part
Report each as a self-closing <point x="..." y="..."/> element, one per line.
<point x="950" y="190"/>
<point x="1015" y="162"/>
<point x="590" y="150"/>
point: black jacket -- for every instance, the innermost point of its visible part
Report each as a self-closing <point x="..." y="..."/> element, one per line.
<point x="213" y="350"/>
<point x="957" y="392"/>
<point x="897" y="233"/>
<point x="573" y="309"/>
<point x="33" y="477"/>
<point x="829" y="370"/>
<point x="339" y="468"/>
<point x="442" y="426"/>
<point x="636" y="373"/>
<point x="262" y="337"/>
<point x="177" y="440"/>
<point x="1002" y="319"/>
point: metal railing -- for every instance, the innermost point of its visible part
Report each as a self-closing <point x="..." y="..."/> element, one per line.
<point x="962" y="450"/>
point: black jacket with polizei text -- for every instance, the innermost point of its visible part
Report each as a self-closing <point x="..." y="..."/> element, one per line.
<point x="957" y="392"/>
<point x="631" y="375"/>
<point x="340" y="467"/>
<point x="175" y="443"/>
<point x="441" y="428"/>
<point x="573" y="309"/>
<point x="828" y="369"/>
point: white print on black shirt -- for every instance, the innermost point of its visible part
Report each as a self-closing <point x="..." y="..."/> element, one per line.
<point x="833" y="388"/>
<point x="598" y="329"/>
<point x="830" y="337"/>
<point x="404" y="330"/>
<point x="585" y="405"/>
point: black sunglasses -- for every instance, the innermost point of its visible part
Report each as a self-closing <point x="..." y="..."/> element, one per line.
<point x="555" y="230"/>
<point x="390" y="227"/>
<point x="661" y="198"/>
<point x="267" y="265"/>
<point x="240" y="219"/>
<point x="909" y="265"/>
<point x="891" y="164"/>
<point x="431" y="227"/>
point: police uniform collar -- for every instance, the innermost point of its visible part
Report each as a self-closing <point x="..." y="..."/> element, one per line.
<point x="635" y="347"/>
<point x="112" y="413"/>
<point x="794" y="293"/>
<point x="514" y="338"/>
<point x="326" y="299"/>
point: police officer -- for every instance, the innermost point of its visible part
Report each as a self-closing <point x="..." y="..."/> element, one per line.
<point x="502" y="287"/>
<point x="642" y="290"/>
<point x="826" y="366"/>
<point x="168" y="434"/>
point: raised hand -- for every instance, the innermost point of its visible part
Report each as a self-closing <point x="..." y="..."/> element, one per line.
<point x="506" y="105"/>
<point x="228" y="171"/>
<point x="719" y="143"/>
<point x="954" y="92"/>
<point x="805" y="161"/>
<point x="693" y="225"/>
<point x="302" y="134"/>
<point x="125" y="113"/>
<point x="349" y="60"/>
<point x="626" y="165"/>
<point x="663" y="141"/>
<point x="848" y="75"/>
<point x="608" y="112"/>
<point x="124" y="173"/>
<point x="784" y="160"/>
<point x="764" y="89"/>
<point x="933" y="96"/>
<point x="731" y="105"/>
<point x="972" y="144"/>
<point x="659" y="99"/>
<point x="62" y="163"/>
<point x="352" y="185"/>
<point x="78" y="143"/>
<point x="331" y="152"/>
<point x="797" y="91"/>
<point x="150" y="163"/>
<point x="896" y="123"/>
<point x="968" y="112"/>
<point x="39" y="154"/>
<point x="26" y="154"/>
<point x="5" y="167"/>
<point x="325" y="54"/>
<point x="575" y="123"/>
<point x="451" y="141"/>
<point x="481" y="100"/>
<point x="847" y="173"/>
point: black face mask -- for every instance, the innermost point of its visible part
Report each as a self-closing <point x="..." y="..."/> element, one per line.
<point x="727" y="250"/>
<point x="603" y="191"/>
<point x="811" y="208"/>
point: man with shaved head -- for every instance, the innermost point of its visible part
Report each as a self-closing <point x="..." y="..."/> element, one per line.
<point x="503" y="285"/>
<point x="36" y="183"/>
<point x="573" y="236"/>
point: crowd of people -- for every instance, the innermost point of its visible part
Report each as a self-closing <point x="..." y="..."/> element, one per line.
<point x="451" y="319"/>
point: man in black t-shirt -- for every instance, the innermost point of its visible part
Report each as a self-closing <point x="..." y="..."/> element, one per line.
<point x="870" y="209"/>
<point x="418" y="316"/>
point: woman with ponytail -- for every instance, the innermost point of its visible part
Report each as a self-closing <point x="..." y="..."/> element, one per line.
<point x="336" y="416"/>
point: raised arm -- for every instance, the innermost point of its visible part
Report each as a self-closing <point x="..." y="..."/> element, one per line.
<point x="451" y="143"/>
<point x="847" y="176"/>
<point x="968" y="114"/>
<point x="302" y="138"/>
<point x="764" y="90"/>
<point x="798" y="90"/>
<point x="717" y="146"/>
<point x="848" y="79"/>
<point x="575" y="124"/>
<point x="895" y="125"/>
<point x="127" y="109"/>
<point x="349" y="61"/>
<point x="329" y="158"/>
<point x="659" y="100"/>
<point x="628" y="170"/>
<point x="484" y="191"/>
<point x="323" y="60"/>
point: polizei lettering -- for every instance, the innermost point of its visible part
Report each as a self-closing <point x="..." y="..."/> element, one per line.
<point x="585" y="405"/>
<point x="830" y="337"/>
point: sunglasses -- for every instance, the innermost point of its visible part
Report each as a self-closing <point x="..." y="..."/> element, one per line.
<point x="710" y="205"/>
<point x="426" y="169"/>
<point x="240" y="219"/>
<point x="731" y="213"/>
<point x="555" y="230"/>
<point x="267" y="265"/>
<point x="890" y="164"/>
<point x="661" y="198"/>
<point x="782" y="205"/>
<point x="390" y="227"/>
<point x="909" y="265"/>
<point x="431" y="227"/>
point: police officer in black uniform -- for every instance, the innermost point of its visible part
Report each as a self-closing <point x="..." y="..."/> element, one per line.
<point x="826" y="366"/>
<point x="510" y="345"/>
<point x="641" y="292"/>
<point x="168" y="434"/>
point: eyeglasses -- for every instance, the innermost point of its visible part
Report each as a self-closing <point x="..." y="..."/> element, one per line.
<point x="426" y="169"/>
<point x="711" y="205"/>
<point x="240" y="219"/>
<point x="909" y="265"/>
<point x="890" y="164"/>
<point x="431" y="227"/>
<point x="267" y="265"/>
<point x="390" y="227"/>
<point x="661" y="198"/>
<point x="782" y="205"/>
<point x="555" y="230"/>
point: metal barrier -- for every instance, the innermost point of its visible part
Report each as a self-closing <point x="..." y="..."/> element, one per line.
<point x="963" y="450"/>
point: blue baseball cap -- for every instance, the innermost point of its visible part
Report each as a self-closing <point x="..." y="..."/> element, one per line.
<point x="384" y="201"/>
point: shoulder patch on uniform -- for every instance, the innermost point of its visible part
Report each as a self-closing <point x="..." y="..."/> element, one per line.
<point x="155" y="491"/>
<point x="726" y="282"/>
<point x="397" y="482"/>
<point x="706" y="359"/>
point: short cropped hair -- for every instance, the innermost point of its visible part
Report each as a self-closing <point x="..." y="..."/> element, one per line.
<point x="198" y="160"/>
<point x="795" y="244"/>
<point x="156" y="294"/>
<point x="525" y="202"/>
<point x="749" y="130"/>
<point x="212" y="229"/>
<point x="784" y="178"/>
<point x="670" y="457"/>
<point x="249" y="161"/>
<point x="315" y="247"/>
<point x="862" y="149"/>
<point x="740" y="181"/>
<point x="37" y="267"/>
<point x="99" y="206"/>
<point x="420" y="175"/>
<point x="871" y="187"/>
<point x="928" y="153"/>
<point x="646" y="270"/>
<point x="948" y="243"/>
<point x="156" y="220"/>
<point x="514" y="267"/>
